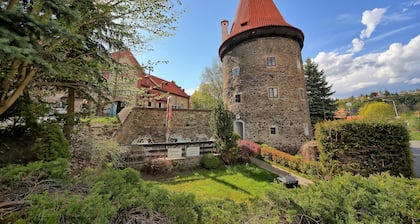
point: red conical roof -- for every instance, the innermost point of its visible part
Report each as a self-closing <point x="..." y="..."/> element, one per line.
<point x="254" y="19"/>
<point x="253" y="14"/>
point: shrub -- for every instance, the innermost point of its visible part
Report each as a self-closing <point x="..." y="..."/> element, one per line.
<point x="210" y="161"/>
<point x="158" y="166"/>
<point x="350" y="199"/>
<point x="51" y="143"/>
<point x="364" y="148"/>
<point x="293" y="162"/>
<point x="106" y="151"/>
<point x="377" y="111"/>
<point x="247" y="149"/>
<point x="35" y="171"/>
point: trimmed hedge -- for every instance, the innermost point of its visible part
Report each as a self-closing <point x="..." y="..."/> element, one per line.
<point x="364" y="148"/>
<point x="293" y="162"/>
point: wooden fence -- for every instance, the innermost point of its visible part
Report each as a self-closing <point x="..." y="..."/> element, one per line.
<point x="136" y="154"/>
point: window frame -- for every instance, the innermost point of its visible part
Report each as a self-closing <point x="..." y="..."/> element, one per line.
<point x="273" y="130"/>
<point x="238" y="98"/>
<point x="271" y="61"/>
<point x="236" y="71"/>
<point x="273" y="94"/>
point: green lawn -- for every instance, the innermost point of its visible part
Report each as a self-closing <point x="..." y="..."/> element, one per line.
<point x="238" y="183"/>
<point x="415" y="136"/>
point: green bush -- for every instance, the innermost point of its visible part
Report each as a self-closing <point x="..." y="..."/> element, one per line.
<point x="35" y="171"/>
<point x="102" y="195"/>
<point x="51" y="143"/>
<point x="364" y="148"/>
<point x="349" y="199"/>
<point x="377" y="111"/>
<point x="210" y="161"/>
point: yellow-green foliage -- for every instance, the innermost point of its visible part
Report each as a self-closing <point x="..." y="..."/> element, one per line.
<point x="378" y="111"/>
<point x="102" y="120"/>
<point x="105" y="151"/>
<point x="364" y="148"/>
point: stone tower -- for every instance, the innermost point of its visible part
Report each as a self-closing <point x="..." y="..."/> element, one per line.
<point x="263" y="77"/>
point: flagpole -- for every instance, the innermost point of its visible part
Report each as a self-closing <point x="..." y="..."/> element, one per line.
<point x="168" y="117"/>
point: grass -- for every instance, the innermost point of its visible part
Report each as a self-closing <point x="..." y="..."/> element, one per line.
<point x="415" y="136"/>
<point x="101" y="120"/>
<point x="238" y="183"/>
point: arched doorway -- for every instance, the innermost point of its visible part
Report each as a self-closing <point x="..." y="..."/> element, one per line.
<point x="239" y="127"/>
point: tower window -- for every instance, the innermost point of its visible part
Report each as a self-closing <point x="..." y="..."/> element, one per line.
<point x="271" y="61"/>
<point x="237" y="98"/>
<point x="273" y="92"/>
<point x="298" y="64"/>
<point x="235" y="71"/>
<point x="273" y="130"/>
<point x="302" y="94"/>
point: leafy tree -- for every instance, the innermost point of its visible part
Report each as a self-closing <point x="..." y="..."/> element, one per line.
<point x="379" y="111"/>
<point x="66" y="43"/>
<point x="222" y="128"/>
<point x="321" y="105"/>
<point x="202" y="98"/>
<point x="210" y="90"/>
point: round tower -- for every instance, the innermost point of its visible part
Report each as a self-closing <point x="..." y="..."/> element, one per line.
<point x="263" y="77"/>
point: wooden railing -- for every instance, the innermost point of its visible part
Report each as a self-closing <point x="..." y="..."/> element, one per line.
<point x="136" y="154"/>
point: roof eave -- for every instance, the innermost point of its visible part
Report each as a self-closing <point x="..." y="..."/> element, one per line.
<point x="265" y="31"/>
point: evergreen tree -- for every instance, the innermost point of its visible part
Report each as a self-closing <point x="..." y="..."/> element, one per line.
<point x="321" y="105"/>
<point x="65" y="43"/>
<point x="222" y="128"/>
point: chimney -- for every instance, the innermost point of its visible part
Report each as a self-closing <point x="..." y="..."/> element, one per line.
<point x="225" y="26"/>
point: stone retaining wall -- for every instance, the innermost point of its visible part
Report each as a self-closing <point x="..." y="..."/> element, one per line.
<point x="152" y="121"/>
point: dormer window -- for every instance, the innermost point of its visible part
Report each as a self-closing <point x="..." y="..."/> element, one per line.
<point x="235" y="71"/>
<point x="244" y="23"/>
<point x="271" y="61"/>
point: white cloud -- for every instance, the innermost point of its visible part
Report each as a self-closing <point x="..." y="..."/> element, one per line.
<point x="371" y="19"/>
<point x="357" y="45"/>
<point x="349" y="74"/>
<point x="413" y="81"/>
<point x="190" y="91"/>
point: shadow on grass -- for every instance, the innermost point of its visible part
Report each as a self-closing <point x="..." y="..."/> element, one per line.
<point x="234" y="187"/>
<point x="255" y="173"/>
<point x="247" y="170"/>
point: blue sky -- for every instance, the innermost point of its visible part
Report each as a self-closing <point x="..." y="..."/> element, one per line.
<point x="362" y="46"/>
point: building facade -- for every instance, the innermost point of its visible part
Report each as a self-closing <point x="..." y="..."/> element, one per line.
<point x="135" y="87"/>
<point x="263" y="76"/>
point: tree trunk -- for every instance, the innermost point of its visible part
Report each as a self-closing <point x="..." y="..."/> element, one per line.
<point x="69" y="121"/>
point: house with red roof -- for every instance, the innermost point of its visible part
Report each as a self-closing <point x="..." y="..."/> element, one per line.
<point x="134" y="86"/>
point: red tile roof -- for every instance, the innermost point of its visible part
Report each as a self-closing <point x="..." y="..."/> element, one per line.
<point x="161" y="85"/>
<point x="149" y="80"/>
<point x="253" y="14"/>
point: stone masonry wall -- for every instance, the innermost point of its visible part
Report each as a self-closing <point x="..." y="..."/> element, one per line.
<point x="152" y="121"/>
<point x="289" y="112"/>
